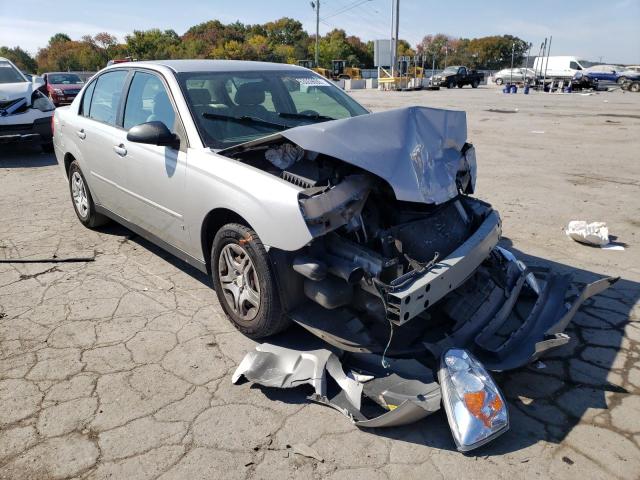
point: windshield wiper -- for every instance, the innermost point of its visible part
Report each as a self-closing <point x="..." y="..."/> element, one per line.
<point x="244" y="119"/>
<point x="315" y="116"/>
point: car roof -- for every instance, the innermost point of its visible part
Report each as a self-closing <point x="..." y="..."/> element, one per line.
<point x="213" y="65"/>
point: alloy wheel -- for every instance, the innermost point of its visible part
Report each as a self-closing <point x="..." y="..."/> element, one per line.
<point x="79" y="193"/>
<point x="239" y="281"/>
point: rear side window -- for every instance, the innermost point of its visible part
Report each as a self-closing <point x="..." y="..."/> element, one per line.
<point x="86" y="99"/>
<point x="148" y="101"/>
<point x="106" y="96"/>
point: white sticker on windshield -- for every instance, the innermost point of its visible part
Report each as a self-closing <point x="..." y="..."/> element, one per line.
<point x="312" y="81"/>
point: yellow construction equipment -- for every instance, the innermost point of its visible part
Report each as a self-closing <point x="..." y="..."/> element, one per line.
<point x="338" y="70"/>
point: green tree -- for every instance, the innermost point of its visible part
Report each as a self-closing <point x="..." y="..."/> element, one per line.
<point x="20" y="58"/>
<point x="58" y="38"/>
<point x="153" y="44"/>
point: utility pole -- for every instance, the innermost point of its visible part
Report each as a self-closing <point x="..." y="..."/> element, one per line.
<point x="446" y="54"/>
<point x="395" y="45"/>
<point x="513" y="47"/>
<point x="316" y="7"/>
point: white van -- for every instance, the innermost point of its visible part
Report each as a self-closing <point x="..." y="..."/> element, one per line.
<point x="559" y="66"/>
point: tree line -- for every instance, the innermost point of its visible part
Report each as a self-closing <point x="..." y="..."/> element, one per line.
<point x="282" y="40"/>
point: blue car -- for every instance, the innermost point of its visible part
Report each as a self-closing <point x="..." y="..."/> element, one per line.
<point x="610" y="73"/>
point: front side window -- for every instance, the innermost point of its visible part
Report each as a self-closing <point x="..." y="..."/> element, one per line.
<point x="64" y="79"/>
<point x="106" y="96"/>
<point x="148" y="101"/>
<point x="574" y="66"/>
<point x="8" y="74"/>
<point x="235" y="107"/>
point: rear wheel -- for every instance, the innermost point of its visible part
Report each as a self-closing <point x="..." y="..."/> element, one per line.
<point x="499" y="81"/>
<point x="634" y="87"/>
<point x="621" y="80"/>
<point x="245" y="282"/>
<point x="82" y="200"/>
<point x="460" y="85"/>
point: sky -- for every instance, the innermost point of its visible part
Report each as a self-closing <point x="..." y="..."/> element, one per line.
<point x="605" y="31"/>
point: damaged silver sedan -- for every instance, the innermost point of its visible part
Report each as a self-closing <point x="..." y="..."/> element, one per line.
<point x="305" y="208"/>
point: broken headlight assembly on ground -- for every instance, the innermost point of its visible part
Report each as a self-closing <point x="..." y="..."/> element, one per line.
<point x="403" y="270"/>
<point x="476" y="411"/>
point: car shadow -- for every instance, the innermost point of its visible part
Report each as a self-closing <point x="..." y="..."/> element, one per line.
<point x="25" y="156"/>
<point x="546" y="399"/>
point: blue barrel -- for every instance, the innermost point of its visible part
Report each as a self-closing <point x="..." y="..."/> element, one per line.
<point x="514" y="89"/>
<point x="526" y="89"/>
<point x="505" y="89"/>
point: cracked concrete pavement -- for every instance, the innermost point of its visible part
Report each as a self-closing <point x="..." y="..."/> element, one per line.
<point x="120" y="368"/>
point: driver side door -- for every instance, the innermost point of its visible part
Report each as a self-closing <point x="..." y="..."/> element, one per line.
<point x="155" y="175"/>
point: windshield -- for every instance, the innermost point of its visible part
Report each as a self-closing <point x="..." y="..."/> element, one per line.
<point x="235" y="107"/>
<point x="587" y="63"/>
<point x="64" y="79"/>
<point x="8" y="74"/>
<point x="452" y="68"/>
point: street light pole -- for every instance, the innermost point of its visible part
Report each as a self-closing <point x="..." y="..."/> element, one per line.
<point x="513" y="46"/>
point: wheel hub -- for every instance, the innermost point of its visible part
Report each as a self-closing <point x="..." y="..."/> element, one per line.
<point x="239" y="281"/>
<point x="79" y="193"/>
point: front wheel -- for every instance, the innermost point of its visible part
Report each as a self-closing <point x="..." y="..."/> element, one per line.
<point x="634" y="87"/>
<point x="450" y="84"/>
<point x="499" y="81"/>
<point x="474" y="84"/>
<point x="245" y="282"/>
<point x="82" y="200"/>
<point x="621" y="80"/>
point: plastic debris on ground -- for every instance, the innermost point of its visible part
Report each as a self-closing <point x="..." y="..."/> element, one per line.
<point x="594" y="233"/>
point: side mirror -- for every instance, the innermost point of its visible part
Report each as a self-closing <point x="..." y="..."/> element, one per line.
<point x="153" y="133"/>
<point x="37" y="82"/>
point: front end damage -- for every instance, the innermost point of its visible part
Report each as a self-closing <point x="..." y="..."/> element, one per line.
<point x="404" y="279"/>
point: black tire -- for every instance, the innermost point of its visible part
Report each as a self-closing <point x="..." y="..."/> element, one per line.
<point x="499" y="81"/>
<point x="475" y="84"/>
<point x="621" y="80"/>
<point x="90" y="218"/>
<point x="634" y="87"/>
<point x="269" y="318"/>
<point x="47" y="147"/>
<point x="460" y="85"/>
<point x="451" y="84"/>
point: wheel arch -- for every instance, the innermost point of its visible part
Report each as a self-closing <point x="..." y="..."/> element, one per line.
<point x="213" y="221"/>
<point x="68" y="158"/>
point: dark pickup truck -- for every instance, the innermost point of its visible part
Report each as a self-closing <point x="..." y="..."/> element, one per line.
<point x="459" y="76"/>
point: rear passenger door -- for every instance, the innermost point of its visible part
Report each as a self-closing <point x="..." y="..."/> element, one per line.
<point x="154" y="174"/>
<point x="96" y="131"/>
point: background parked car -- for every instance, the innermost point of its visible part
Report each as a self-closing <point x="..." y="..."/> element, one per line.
<point x="518" y="75"/>
<point x="25" y="112"/>
<point x="582" y="81"/>
<point x="610" y="73"/>
<point x="62" y="87"/>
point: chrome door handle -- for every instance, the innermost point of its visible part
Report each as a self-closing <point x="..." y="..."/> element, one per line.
<point x="81" y="134"/>
<point x="120" y="150"/>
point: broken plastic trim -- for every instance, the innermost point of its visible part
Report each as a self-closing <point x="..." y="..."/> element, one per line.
<point x="407" y="390"/>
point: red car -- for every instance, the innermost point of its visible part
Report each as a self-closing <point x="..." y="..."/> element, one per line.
<point x="62" y="87"/>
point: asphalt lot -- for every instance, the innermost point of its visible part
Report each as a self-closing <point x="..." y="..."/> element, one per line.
<point x="120" y="368"/>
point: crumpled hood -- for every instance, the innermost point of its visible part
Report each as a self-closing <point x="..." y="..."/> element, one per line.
<point x="13" y="91"/>
<point x="417" y="150"/>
